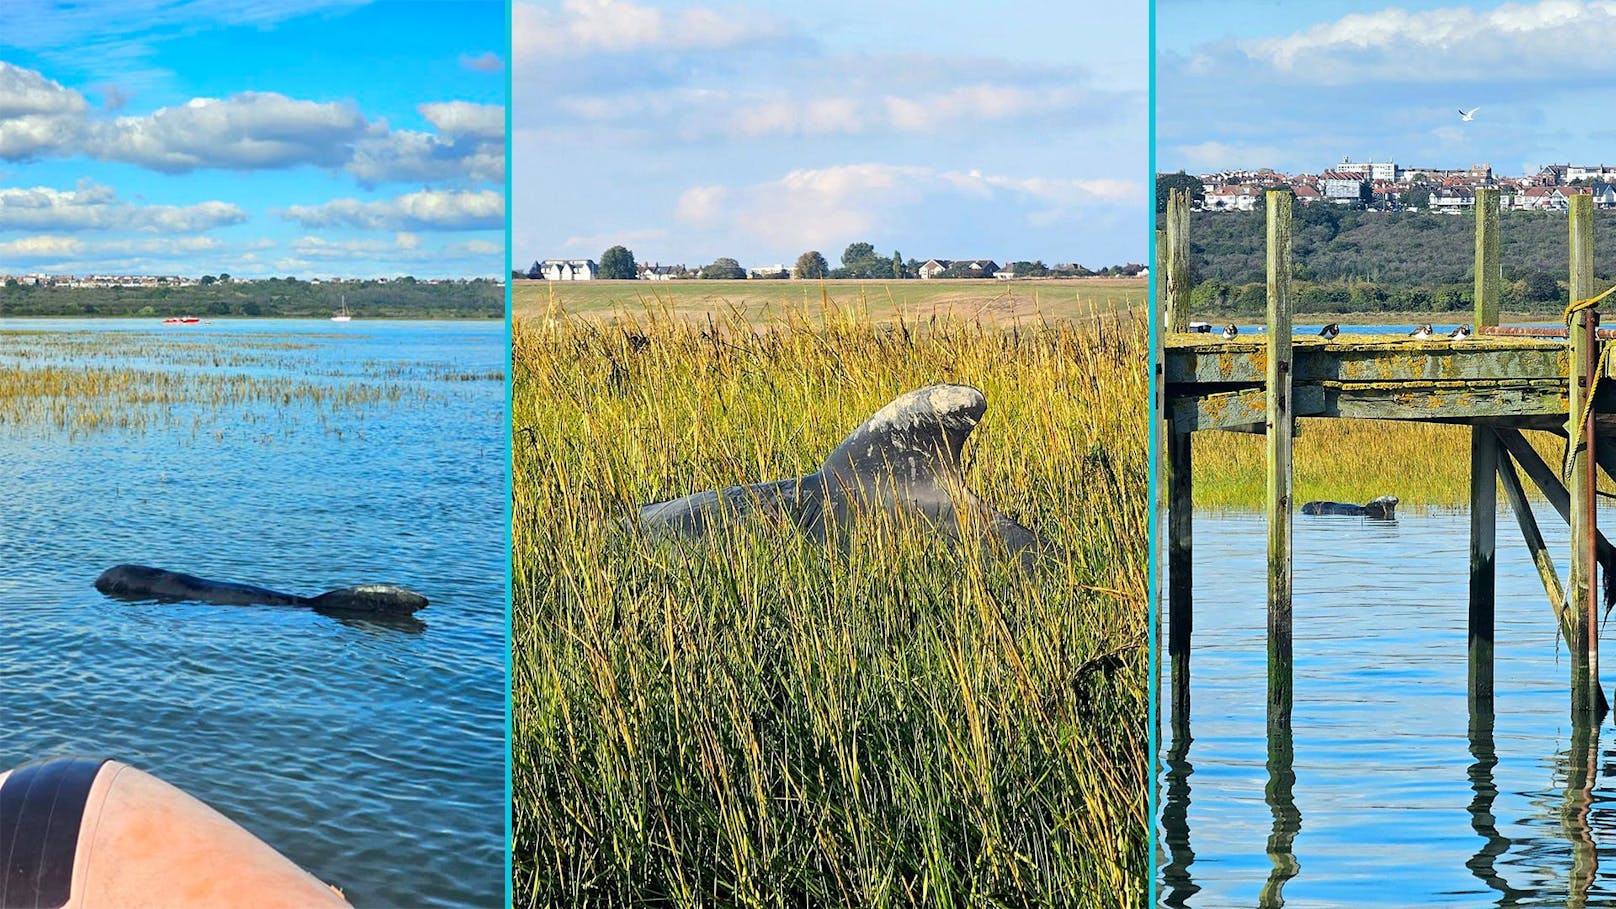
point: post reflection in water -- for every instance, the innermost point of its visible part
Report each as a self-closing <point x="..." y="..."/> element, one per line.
<point x="1179" y="885"/>
<point x="1494" y="844"/>
<point x="1410" y="797"/>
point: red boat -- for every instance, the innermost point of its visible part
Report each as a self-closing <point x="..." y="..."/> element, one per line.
<point x="176" y="320"/>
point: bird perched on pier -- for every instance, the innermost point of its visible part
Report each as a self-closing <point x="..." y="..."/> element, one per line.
<point x="1329" y="332"/>
<point x="1460" y="334"/>
<point x="1421" y="333"/>
<point x="1229" y="331"/>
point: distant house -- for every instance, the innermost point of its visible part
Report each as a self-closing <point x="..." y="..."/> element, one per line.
<point x="959" y="268"/>
<point x="1242" y="197"/>
<point x="935" y="267"/>
<point x="661" y="272"/>
<point x="1342" y="189"/>
<point x="1542" y="198"/>
<point x="1452" y="199"/>
<point x="1306" y="193"/>
<point x="1604" y="195"/>
<point x="569" y="269"/>
<point x="768" y="272"/>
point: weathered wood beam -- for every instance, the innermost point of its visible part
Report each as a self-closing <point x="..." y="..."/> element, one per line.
<point x="1240" y="408"/>
<point x="1522" y="507"/>
<point x="1583" y="642"/>
<point x="1178" y="260"/>
<point x="1180" y="565"/>
<point x="1484" y="460"/>
<point x="1279" y="481"/>
<point x="1245" y="361"/>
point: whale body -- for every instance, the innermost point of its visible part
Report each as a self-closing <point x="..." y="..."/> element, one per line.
<point x="1383" y="508"/>
<point x="138" y="582"/>
<point x="903" y="459"/>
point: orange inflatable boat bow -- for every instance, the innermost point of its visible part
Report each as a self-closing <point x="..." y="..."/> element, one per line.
<point x="84" y="833"/>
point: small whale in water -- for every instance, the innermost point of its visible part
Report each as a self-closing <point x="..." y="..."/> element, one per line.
<point x="1381" y="509"/>
<point x="1230" y="330"/>
<point x="138" y="582"/>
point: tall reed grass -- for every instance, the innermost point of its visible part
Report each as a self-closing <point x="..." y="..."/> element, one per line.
<point x="757" y="720"/>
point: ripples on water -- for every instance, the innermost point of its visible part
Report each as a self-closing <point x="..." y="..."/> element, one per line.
<point x="371" y="756"/>
<point x="1398" y="804"/>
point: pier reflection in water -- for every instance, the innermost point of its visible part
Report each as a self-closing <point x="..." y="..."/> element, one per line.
<point x="1387" y="789"/>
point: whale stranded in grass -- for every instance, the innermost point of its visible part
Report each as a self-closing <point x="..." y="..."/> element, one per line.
<point x="1383" y="508"/>
<point x="138" y="582"/>
<point x="903" y="460"/>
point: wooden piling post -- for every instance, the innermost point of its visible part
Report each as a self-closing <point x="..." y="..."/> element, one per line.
<point x="1178" y="260"/>
<point x="1483" y="468"/>
<point x="1178" y="502"/>
<point x="1583" y="585"/>
<point x="1546" y="571"/>
<point x="1279" y="427"/>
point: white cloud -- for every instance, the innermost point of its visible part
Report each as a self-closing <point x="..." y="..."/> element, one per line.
<point x="825" y="206"/>
<point x="424" y="210"/>
<point x="1550" y="39"/>
<point x="36" y="114"/>
<point x="96" y="207"/>
<point x="248" y="131"/>
<point x="542" y="34"/>
<point x="465" y="120"/>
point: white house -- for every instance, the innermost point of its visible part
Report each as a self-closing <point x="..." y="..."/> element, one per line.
<point x="569" y="269"/>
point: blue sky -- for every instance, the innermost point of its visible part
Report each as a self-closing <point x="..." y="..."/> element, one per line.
<point x="692" y="130"/>
<point x="299" y="137"/>
<point x="1296" y="86"/>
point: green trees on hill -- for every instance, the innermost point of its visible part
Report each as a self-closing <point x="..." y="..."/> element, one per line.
<point x="1368" y="261"/>
<point x="289" y="297"/>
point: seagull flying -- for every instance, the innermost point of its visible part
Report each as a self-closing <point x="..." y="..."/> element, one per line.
<point x="1468" y="116"/>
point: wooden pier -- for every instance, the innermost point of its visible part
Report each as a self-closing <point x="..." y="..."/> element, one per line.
<point x="1502" y="383"/>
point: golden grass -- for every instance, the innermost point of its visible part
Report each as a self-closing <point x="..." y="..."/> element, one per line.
<point x="759" y="720"/>
<point x="1423" y="464"/>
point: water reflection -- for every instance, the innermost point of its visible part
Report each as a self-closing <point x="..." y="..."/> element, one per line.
<point x="1414" y="794"/>
<point x="1280" y="794"/>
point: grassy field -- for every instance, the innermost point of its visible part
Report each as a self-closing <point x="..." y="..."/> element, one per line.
<point x="762" y="721"/>
<point x="1424" y="465"/>
<point x="992" y="301"/>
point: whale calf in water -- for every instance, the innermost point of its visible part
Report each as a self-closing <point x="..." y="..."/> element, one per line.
<point x="903" y="460"/>
<point x="1383" y="508"/>
<point x="138" y="582"/>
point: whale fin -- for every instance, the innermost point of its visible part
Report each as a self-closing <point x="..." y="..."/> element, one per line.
<point x="383" y="599"/>
<point x="917" y="438"/>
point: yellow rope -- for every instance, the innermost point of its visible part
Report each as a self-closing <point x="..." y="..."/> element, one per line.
<point x="1593" y="380"/>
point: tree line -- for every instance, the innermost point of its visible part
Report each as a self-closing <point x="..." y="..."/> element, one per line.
<point x="859" y="260"/>
<point x="401" y="298"/>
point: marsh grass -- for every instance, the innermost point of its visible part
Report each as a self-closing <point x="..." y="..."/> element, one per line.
<point x="75" y="383"/>
<point x="760" y="720"/>
<point x="1426" y="465"/>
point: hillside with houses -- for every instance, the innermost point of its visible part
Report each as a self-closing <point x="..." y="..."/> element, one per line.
<point x="1388" y="186"/>
<point x="1376" y="237"/>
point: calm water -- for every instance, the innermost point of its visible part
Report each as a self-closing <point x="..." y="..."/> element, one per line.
<point x="373" y="756"/>
<point x="1395" y="800"/>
